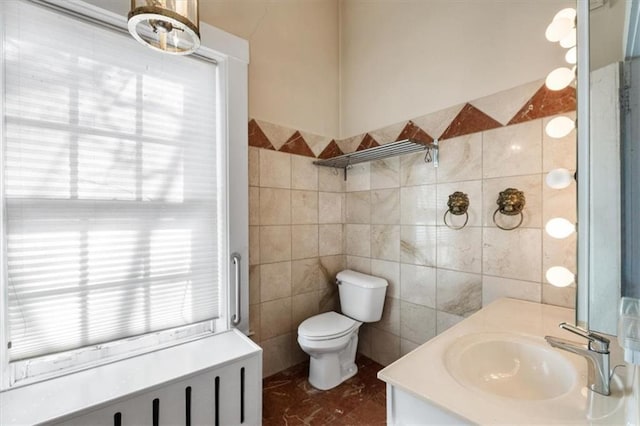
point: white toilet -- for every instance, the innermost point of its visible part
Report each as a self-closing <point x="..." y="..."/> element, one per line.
<point x="331" y="339"/>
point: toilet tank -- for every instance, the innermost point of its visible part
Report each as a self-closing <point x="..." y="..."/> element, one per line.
<point x="361" y="295"/>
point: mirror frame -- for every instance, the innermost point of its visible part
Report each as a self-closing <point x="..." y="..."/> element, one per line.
<point x="583" y="157"/>
<point x="597" y="299"/>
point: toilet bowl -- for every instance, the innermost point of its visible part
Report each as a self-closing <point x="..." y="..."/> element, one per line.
<point x="331" y="339"/>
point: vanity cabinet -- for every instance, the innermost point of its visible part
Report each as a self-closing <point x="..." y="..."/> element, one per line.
<point x="406" y="409"/>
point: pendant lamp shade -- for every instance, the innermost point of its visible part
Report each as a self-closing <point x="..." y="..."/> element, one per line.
<point x="170" y="26"/>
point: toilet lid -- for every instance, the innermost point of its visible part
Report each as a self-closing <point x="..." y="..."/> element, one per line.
<point x="326" y="326"/>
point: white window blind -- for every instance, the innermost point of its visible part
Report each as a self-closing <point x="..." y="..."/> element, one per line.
<point x="112" y="192"/>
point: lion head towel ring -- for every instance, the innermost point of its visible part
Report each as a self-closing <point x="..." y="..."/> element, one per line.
<point x="510" y="203"/>
<point x="458" y="205"/>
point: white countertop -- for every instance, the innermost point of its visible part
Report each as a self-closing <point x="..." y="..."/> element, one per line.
<point x="423" y="372"/>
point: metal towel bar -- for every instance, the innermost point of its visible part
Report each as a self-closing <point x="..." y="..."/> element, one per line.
<point x="393" y="149"/>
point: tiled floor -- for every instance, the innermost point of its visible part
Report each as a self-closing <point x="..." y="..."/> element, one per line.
<point x="289" y="399"/>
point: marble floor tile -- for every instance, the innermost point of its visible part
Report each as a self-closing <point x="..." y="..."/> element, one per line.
<point x="289" y="399"/>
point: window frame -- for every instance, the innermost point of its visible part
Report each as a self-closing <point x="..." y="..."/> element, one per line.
<point x="231" y="56"/>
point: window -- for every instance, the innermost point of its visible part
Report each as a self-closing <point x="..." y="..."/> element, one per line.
<point x="113" y="192"/>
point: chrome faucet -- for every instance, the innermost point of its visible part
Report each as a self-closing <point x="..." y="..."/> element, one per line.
<point x="596" y="352"/>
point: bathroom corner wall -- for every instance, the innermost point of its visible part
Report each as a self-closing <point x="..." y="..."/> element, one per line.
<point x="295" y="245"/>
<point x="394" y="212"/>
<point x="307" y="223"/>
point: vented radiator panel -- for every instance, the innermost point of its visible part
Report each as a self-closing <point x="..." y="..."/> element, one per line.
<point x="225" y="395"/>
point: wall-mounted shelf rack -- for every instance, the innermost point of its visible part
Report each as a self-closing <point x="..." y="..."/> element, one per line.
<point x="393" y="149"/>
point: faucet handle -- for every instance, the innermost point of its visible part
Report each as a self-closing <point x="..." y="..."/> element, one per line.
<point x="597" y="342"/>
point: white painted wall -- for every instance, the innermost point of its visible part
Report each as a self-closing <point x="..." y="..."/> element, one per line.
<point x="342" y="67"/>
<point x="405" y="58"/>
<point x="293" y="74"/>
<point x="606" y="27"/>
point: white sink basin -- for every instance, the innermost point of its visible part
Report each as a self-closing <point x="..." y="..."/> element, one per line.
<point x="496" y="368"/>
<point x="510" y="366"/>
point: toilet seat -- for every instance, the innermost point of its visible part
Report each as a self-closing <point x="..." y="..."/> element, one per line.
<point x="327" y="326"/>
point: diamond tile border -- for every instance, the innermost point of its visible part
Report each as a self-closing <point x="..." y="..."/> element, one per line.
<point x="297" y="145"/>
<point x="367" y="142"/>
<point x="411" y="131"/>
<point x="546" y="102"/>
<point x="469" y="119"/>
<point x="332" y="150"/>
<point x="257" y="137"/>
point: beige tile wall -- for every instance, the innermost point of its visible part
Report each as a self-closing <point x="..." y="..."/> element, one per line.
<point x="295" y="249"/>
<point x="307" y="224"/>
<point x="438" y="275"/>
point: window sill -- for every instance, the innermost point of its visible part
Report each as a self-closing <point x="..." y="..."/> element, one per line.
<point x="90" y="389"/>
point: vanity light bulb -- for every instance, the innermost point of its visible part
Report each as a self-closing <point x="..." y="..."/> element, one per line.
<point x="559" y="127"/>
<point x="572" y="55"/>
<point x="560" y="276"/>
<point x="559" y="78"/>
<point x="558" y="178"/>
<point x="568" y="13"/>
<point x="558" y="29"/>
<point x="559" y="228"/>
<point x="569" y="40"/>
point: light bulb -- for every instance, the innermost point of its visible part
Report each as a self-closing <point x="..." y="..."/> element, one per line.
<point x="559" y="127"/>
<point x="558" y="29"/>
<point x="558" y="178"/>
<point x="572" y="56"/>
<point x="166" y="26"/>
<point x="568" y="13"/>
<point x="559" y="78"/>
<point x="560" y="276"/>
<point x="569" y="40"/>
<point x="559" y="228"/>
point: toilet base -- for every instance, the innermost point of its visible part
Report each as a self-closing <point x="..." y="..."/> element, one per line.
<point x="328" y="370"/>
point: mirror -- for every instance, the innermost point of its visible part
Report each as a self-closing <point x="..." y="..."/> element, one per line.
<point x="608" y="189"/>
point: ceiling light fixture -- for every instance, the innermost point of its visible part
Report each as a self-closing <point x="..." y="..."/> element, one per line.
<point x="170" y="26"/>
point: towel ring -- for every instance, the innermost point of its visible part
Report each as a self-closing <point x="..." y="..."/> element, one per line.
<point x="466" y="219"/>
<point x="510" y="202"/>
<point x="458" y="205"/>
